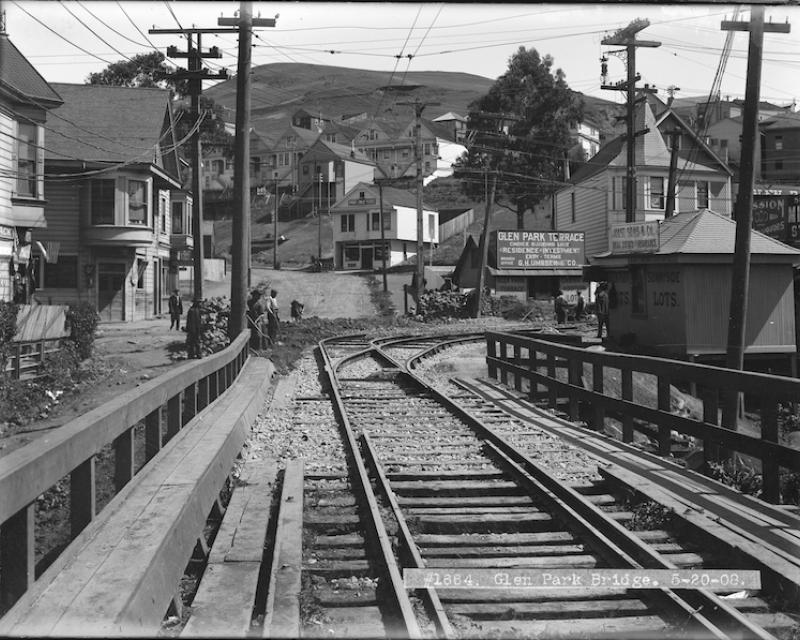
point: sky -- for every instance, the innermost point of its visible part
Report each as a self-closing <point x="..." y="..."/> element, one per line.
<point x="67" y="40"/>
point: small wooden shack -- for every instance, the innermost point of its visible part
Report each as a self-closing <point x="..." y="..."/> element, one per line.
<point x="673" y="297"/>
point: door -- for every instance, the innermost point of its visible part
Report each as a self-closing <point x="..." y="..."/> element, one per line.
<point x="111" y="291"/>
<point x="366" y="257"/>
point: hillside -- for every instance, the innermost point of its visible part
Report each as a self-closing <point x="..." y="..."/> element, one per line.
<point x="281" y="88"/>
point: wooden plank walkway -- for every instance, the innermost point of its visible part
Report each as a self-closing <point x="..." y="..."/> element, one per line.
<point x="768" y="533"/>
<point x="124" y="569"/>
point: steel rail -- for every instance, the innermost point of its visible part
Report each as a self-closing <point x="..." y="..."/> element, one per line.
<point x="396" y="587"/>
<point x="687" y="601"/>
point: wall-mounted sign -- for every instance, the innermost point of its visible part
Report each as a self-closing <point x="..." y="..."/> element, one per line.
<point x="776" y="213"/>
<point x="539" y="249"/>
<point x="6" y="232"/>
<point x="634" y="237"/>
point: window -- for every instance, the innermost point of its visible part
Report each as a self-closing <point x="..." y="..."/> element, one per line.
<point x="141" y="267"/>
<point x="361" y="195"/>
<point x="330" y="137"/>
<point x="373" y="135"/>
<point x="229" y="164"/>
<point x="217" y="166"/>
<point x="655" y="198"/>
<point x="427" y="167"/>
<point x="256" y="162"/>
<point x="405" y="153"/>
<point x="305" y="169"/>
<point x="352" y="254"/>
<point x="177" y="218"/>
<point x="618" y="192"/>
<point x="376" y="221"/>
<point x="61" y="275"/>
<point x="162" y="212"/>
<point x="779" y="165"/>
<point x="431" y="226"/>
<point x="290" y="142"/>
<point x="638" y="291"/>
<point x="572" y="206"/>
<point x="778" y="143"/>
<point x="137" y="202"/>
<point x="723" y="144"/>
<point x="387" y="220"/>
<point x="701" y="195"/>
<point x="386" y="154"/>
<point x="426" y="149"/>
<point x="102" y="201"/>
<point x="348" y="222"/>
<point x="26" y="160"/>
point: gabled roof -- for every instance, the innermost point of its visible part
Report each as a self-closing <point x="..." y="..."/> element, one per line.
<point x="599" y="161"/>
<point x="703" y="232"/>
<point x="392" y="197"/>
<point x="392" y="128"/>
<point x="102" y="123"/>
<point x="669" y="113"/>
<point x="324" y="151"/>
<point x="439" y="129"/>
<point x="306" y="137"/>
<point x="783" y="121"/>
<point x="449" y="116"/>
<point x="18" y="77"/>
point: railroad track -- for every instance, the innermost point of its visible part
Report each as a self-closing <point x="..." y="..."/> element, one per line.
<point x="460" y="496"/>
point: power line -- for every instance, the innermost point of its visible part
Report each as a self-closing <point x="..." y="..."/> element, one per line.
<point x="144" y="35"/>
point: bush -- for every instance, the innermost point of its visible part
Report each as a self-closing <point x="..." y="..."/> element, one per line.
<point x="82" y="319"/>
<point x="8" y="327"/>
<point x="214" y="328"/>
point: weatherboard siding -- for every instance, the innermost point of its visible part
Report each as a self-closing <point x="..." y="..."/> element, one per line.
<point x="590" y="212"/>
<point x="7" y="169"/>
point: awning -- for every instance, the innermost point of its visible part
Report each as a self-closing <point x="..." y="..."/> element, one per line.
<point x="575" y="271"/>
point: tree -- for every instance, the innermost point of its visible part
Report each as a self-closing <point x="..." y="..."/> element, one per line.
<point x="525" y="147"/>
<point x="142" y="70"/>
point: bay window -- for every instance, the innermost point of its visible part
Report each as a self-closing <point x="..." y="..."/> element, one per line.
<point x="137" y="202"/>
<point x="102" y="201"/>
<point x="656" y="193"/>
<point x="27" y="180"/>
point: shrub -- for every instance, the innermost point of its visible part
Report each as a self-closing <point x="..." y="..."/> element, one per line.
<point x="83" y="319"/>
<point x="738" y="474"/>
<point x="214" y="328"/>
<point x="8" y="327"/>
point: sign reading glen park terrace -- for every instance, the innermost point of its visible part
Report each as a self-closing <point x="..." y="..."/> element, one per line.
<point x="537" y="249"/>
<point x="634" y="237"/>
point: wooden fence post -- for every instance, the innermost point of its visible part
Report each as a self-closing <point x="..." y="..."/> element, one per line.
<point x="664" y="435"/>
<point x="174" y="418"/>
<point x="552" y="394"/>
<point x="627" y="394"/>
<point x="770" y="470"/>
<point x="202" y="393"/>
<point x="599" y="420"/>
<point x="491" y="352"/>
<point x="710" y="416"/>
<point x="517" y="362"/>
<point x="533" y="387"/>
<point x="17" y="555"/>
<point x="124" y="458"/>
<point x="574" y="371"/>
<point x="189" y="403"/>
<point x="82" y="495"/>
<point x="152" y="433"/>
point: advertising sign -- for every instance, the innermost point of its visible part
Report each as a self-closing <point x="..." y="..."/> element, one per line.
<point x="537" y="249"/>
<point x="776" y="213"/>
<point x="634" y="237"/>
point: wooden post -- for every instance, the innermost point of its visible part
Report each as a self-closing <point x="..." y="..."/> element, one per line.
<point x="17" y="555"/>
<point x="599" y="421"/>
<point x="174" y="418"/>
<point x="710" y="416"/>
<point x="189" y="403"/>
<point x="18" y="361"/>
<point x="770" y="470"/>
<point x="491" y="352"/>
<point x="664" y="436"/>
<point x="627" y="394"/>
<point x="124" y="458"/>
<point x="552" y="396"/>
<point x="518" y="362"/>
<point x="202" y="393"/>
<point x="574" y="371"/>
<point x="152" y="433"/>
<point x="82" y="495"/>
<point x="533" y="386"/>
<point x="213" y="386"/>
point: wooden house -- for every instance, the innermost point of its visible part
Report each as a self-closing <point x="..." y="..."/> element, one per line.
<point x="110" y="213"/>
<point x="675" y="299"/>
<point x="25" y="99"/>
<point x="357" y="227"/>
<point x="595" y="197"/>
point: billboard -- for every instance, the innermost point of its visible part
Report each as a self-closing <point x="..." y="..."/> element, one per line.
<point x="522" y="249"/>
<point x="776" y="213"/>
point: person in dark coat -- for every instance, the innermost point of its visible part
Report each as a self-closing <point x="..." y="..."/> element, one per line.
<point x="273" y="319"/>
<point x="580" y="305"/>
<point x="601" y="308"/>
<point x="194" y="325"/>
<point x="175" y="309"/>
<point x="561" y="305"/>
<point x="255" y="312"/>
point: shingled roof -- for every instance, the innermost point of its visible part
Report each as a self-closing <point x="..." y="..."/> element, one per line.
<point x="21" y="80"/>
<point x="101" y="123"/>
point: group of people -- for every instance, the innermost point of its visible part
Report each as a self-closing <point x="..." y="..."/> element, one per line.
<point x="263" y="318"/>
<point x="601" y="307"/>
<point x="193" y="322"/>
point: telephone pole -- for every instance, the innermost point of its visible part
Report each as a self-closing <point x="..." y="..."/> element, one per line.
<point x="240" y="249"/>
<point x="626" y="37"/>
<point x="195" y="75"/>
<point x="674" y="137"/>
<point x="743" y="211"/>
<point x="419" y="107"/>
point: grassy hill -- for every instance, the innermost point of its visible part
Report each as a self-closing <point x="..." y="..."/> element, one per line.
<point x="281" y="88"/>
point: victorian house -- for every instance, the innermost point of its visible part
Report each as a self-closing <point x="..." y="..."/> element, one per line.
<point x="117" y="217"/>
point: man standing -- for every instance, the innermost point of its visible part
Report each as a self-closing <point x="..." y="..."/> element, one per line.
<point x="561" y="305"/>
<point x="601" y="309"/>
<point x="272" y="316"/>
<point x="175" y="309"/>
<point x="193" y="329"/>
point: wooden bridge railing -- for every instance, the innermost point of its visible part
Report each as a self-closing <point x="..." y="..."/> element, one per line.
<point x="165" y="404"/>
<point x="556" y="371"/>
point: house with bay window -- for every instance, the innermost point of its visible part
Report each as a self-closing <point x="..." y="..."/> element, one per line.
<point x="358" y="242"/>
<point x="25" y="100"/>
<point x="595" y="197"/>
<point x="118" y="224"/>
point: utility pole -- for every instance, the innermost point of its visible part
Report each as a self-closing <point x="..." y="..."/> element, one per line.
<point x="275" y="227"/>
<point x="674" y="137"/>
<point x="484" y="242"/>
<point x="383" y="236"/>
<point x="240" y="249"/>
<point x="419" y="107"/>
<point x="318" y="180"/>
<point x="743" y="212"/>
<point x="626" y="37"/>
<point x="195" y="75"/>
